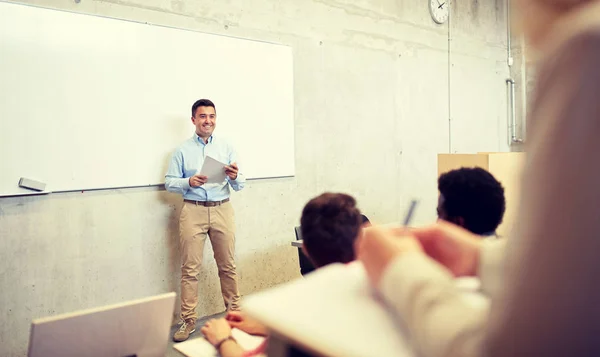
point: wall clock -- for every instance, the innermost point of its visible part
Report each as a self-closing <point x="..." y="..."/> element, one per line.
<point x="440" y="10"/>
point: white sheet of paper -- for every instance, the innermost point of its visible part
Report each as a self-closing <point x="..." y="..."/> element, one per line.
<point x="213" y="169"/>
<point x="200" y="347"/>
<point x="333" y="311"/>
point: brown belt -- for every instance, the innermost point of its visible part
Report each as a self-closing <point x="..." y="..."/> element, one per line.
<point x="207" y="203"/>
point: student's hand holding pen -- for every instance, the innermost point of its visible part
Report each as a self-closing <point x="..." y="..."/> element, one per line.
<point x="452" y="246"/>
<point x="379" y="246"/>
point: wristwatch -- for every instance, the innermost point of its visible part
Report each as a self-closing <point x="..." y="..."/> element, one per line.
<point x="218" y="344"/>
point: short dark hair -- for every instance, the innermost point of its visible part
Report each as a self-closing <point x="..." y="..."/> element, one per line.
<point x="474" y="195"/>
<point x="202" y="103"/>
<point x="330" y="224"/>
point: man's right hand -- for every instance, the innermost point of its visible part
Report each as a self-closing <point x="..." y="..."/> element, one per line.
<point x="198" y="180"/>
<point x="452" y="246"/>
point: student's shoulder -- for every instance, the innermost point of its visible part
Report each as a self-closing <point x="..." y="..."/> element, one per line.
<point x="574" y="52"/>
<point x="583" y="43"/>
<point x="577" y="36"/>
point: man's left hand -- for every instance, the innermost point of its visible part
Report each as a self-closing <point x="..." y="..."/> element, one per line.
<point x="232" y="171"/>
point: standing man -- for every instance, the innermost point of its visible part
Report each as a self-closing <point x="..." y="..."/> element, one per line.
<point x="206" y="212"/>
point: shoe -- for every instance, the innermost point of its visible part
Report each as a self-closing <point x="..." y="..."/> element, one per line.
<point x="184" y="332"/>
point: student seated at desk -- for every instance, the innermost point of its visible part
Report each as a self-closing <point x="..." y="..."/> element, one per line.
<point x="306" y="266"/>
<point x="473" y="199"/>
<point x="330" y="224"/>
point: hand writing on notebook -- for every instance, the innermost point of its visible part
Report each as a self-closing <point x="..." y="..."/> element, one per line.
<point x="231" y="170"/>
<point x="240" y="321"/>
<point x="379" y="246"/>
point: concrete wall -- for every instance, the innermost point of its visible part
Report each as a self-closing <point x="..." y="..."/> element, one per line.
<point x="379" y="91"/>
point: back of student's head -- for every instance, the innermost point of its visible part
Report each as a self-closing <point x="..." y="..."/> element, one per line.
<point x="471" y="198"/>
<point x="330" y="224"/>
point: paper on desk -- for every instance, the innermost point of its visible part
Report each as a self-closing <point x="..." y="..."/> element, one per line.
<point x="200" y="347"/>
<point x="213" y="169"/>
<point x="342" y="299"/>
<point x="334" y="312"/>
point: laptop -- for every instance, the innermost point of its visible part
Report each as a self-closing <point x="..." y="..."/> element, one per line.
<point x="138" y="328"/>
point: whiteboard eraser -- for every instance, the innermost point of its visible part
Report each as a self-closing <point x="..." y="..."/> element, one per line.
<point x="32" y="184"/>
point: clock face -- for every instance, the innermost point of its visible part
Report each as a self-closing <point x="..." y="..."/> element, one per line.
<point x="440" y="10"/>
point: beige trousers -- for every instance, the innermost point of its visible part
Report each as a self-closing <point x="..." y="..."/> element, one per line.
<point x="195" y="224"/>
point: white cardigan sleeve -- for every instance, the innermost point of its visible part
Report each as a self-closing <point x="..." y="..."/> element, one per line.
<point x="442" y="321"/>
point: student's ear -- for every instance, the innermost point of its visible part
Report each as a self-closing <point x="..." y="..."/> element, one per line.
<point x="305" y="252"/>
<point x="308" y="255"/>
<point x="460" y="221"/>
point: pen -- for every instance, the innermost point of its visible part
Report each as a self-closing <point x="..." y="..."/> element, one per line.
<point x="410" y="212"/>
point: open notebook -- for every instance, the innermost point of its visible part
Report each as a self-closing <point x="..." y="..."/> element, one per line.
<point x="200" y="347"/>
<point x="333" y="312"/>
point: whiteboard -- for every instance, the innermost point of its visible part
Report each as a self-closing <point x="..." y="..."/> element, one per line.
<point x="91" y="102"/>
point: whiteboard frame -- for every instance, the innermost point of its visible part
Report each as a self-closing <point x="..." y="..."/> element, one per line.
<point x="161" y="184"/>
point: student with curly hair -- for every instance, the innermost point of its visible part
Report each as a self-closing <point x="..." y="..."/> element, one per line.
<point x="471" y="198"/>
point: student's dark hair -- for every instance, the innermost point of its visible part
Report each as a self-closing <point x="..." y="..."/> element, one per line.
<point x="202" y="103"/>
<point x="474" y="195"/>
<point x="330" y="224"/>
